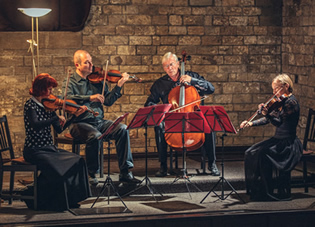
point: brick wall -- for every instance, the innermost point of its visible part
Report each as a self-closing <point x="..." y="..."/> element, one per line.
<point x="298" y="46"/>
<point x="235" y="44"/>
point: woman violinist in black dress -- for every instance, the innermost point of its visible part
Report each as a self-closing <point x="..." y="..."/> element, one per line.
<point x="281" y="152"/>
<point x="59" y="170"/>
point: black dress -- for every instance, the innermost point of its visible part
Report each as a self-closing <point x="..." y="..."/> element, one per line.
<point x="281" y="153"/>
<point x="59" y="170"/>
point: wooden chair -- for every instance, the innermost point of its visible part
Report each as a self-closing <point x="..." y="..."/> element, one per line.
<point x="8" y="163"/>
<point x="309" y="136"/>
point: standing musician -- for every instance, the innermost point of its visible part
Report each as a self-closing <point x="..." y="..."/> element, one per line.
<point x="159" y="92"/>
<point x="56" y="165"/>
<point x="282" y="151"/>
<point x="87" y="127"/>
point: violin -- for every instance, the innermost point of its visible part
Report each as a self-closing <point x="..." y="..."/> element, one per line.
<point x="53" y="103"/>
<point x="274" y="103"/>
<point x="184" y="98"/>
<point x="113" y="76"/>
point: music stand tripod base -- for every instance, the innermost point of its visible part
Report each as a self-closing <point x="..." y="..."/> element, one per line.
<point x="145" y="117"/>
<point x="108" y="184"/>
<point x="146" y="179"/>
<point x="222" y="180"/>
<point x="185" y="177"/>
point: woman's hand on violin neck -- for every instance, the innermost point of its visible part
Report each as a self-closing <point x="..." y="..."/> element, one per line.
<point x="185" y="78"/>
<point x="97" y="98"/>
<point x="62" y="120"/>
<point x="80" y="111"/>
<point x="124" y="78"/>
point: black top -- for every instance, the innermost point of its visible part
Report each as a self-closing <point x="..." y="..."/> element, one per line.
<point x="285" y="118"/>
<point x="80" y="90"/>
<point x="37" y="121"/>
<point x="162" y="87"/>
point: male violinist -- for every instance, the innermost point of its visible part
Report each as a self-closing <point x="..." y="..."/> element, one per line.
<point x="159" y="92"/>
<point x="87" y="127"/>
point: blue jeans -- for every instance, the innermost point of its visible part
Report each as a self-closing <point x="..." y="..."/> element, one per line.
<point x="89" y="132"/>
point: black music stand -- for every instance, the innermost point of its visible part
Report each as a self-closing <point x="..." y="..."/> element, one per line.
<point x="109" y="182"/>
<point x="219" y="121"/>
<point x="148" y="116"/>
<point x="188" y="122"/>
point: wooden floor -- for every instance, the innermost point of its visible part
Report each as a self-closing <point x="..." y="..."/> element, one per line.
<point x="179" y="205"/>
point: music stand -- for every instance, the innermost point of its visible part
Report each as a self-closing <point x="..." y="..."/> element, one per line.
<point x="219" y="121"/>
<point x="148" y="116"/>
<point x="109" y="182"/>
<point x="188" y="122"/>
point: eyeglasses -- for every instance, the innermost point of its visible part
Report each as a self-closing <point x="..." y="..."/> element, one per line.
<point x="172" y="64"/>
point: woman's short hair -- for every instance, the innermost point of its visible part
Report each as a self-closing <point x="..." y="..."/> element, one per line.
<point x="284" y="79"/>
<point x="41" y="83"/>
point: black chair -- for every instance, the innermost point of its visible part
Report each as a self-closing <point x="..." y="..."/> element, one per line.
<point x="8" y="163"/>
<point x="309" y="136"/>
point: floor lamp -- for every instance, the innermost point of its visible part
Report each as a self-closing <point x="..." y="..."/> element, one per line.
<point x="34" y="13"/>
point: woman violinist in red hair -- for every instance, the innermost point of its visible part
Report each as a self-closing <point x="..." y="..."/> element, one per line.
<point x="57" y="167"/>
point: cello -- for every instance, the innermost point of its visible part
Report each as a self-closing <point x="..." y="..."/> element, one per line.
<point x="179" y="97"/>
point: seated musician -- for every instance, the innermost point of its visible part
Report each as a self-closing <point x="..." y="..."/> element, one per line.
<point x="56" y="165"/>
<point x="88" y="127"/>
<point x="282" y="151"/>
<point x="159" y="93"/>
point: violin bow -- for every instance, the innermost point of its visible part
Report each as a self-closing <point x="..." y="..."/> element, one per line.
<point x="258" y="111"/>
<point x="65" y="94"/>
<point x="187" y="104"/>
<point x="105" y="78"/>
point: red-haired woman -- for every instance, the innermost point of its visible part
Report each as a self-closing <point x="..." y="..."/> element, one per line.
<point x="56" y="166"/>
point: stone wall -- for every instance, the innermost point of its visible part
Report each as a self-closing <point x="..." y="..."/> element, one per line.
<point x="298" y="46"/>
<point x="235" y="44"/>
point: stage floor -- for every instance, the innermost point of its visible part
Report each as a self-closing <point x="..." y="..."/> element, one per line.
<point x="176" y="206"/>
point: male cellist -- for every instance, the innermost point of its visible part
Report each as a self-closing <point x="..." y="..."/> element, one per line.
<point x="159" y="92"/>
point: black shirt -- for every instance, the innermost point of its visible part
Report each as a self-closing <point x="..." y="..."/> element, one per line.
<point x="162" y="87"/>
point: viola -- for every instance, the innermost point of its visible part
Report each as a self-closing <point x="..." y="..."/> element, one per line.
<point x="53" y="103"/>
<point x="184" y="98"/>
<point x="113" y="76"/>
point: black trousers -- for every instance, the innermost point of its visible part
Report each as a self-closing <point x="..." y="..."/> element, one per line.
<point x="209" y="145"/>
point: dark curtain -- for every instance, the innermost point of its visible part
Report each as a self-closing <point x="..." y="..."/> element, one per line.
<point x="66" y="15"/>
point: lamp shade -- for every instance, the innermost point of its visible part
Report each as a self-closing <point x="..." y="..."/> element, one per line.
<point x="35" y="12"/>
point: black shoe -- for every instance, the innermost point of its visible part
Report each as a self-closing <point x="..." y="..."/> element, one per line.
<point x="128" y="178"/>
<point x="161" y="173"/>
<point x="214" y="170"/>
<point x="92" y="179"/>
